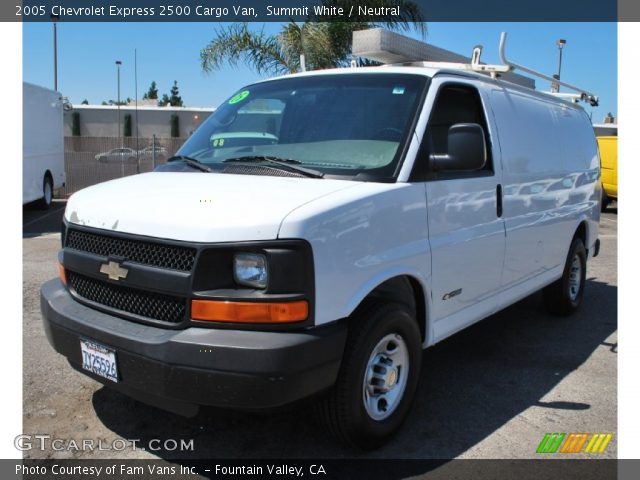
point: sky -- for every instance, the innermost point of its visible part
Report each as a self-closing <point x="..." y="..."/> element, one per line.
<point x="171" y="51"/>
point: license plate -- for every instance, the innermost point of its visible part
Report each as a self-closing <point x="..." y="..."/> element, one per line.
<point x="99" y="359"/>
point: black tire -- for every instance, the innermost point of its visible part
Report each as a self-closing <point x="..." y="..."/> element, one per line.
<point x="47" y="193"/>
<point x="342" y="411"/>
<point x="562" y="297"/>
<point x="605" y="200"/>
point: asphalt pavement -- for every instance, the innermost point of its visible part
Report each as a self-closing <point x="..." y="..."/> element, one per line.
<point x="491" y="391"/>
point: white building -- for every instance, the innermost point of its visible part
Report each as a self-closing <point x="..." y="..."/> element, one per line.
<point x="102" y="120"/>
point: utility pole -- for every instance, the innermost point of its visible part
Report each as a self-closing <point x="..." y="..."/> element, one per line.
<point x="135" y="69"/>
<point x="55" y="19"/>
<point x="118" y="64"/>
<point x="561" y="42"/>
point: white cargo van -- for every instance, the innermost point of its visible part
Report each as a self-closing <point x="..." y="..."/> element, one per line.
<point x="393" y="207"/>
<point x="42" y="144"/>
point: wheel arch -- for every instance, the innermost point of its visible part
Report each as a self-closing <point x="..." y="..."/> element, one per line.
<point x="581" y="232"/>
<point x="408" y="290"/>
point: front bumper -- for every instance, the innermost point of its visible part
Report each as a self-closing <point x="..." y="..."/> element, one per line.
<point x="179" y="370"/>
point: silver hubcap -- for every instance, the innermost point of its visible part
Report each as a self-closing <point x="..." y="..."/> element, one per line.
<point x="575" y="278"/>
<point x="48" y="192"/>
<point x="385" y="377"/>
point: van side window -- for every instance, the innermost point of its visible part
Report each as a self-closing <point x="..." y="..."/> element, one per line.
<point x="455" y="103"/>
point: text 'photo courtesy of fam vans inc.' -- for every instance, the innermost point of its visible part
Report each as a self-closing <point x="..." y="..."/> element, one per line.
<point x="320" y="229"/>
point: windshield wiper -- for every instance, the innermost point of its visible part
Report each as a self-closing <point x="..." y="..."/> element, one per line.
<point x="192" y="162"/>
<point x="283" y="162"/>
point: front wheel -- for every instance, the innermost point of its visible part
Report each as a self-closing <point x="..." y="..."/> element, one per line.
<point x="564" y="296"/>
<point x="378" y="376"/>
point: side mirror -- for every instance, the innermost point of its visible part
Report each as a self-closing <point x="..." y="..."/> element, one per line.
<point x="466" y="149"/>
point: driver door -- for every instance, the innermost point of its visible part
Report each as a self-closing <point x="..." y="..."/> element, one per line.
<point x="466" y="229"/>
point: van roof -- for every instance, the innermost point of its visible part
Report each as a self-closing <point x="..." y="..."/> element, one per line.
<point x="429" y="72"/>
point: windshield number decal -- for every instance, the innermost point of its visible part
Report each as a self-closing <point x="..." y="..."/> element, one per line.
<point x="238" y="97"/>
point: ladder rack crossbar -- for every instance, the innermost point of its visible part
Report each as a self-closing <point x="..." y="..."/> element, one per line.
<point x="584" y="95"/>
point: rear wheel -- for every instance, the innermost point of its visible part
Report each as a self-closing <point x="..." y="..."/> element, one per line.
<point x="378" y="376"/>
<point x="564" y="296"/>
<point x="47" y="193"/>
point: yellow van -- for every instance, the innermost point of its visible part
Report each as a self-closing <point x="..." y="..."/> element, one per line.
<point x="609" y="168"/>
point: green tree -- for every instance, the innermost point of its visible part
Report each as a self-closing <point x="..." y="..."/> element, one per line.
<point x="175" y="126"/>
<point x="75" y="124"/>
<point x="85" y="102"/>
<point x="127" y="125"/>
<point x="165" y="100"/>
<point x="115" y="102"/>
<point x="175" y="99"/>
<point x="152" y="93"/>
<point x="324" y="41"/>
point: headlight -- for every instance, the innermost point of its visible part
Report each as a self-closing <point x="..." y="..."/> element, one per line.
<point x="250" y="269"/>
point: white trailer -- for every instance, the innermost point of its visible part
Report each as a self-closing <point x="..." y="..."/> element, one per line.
<point x="42" y="144"/>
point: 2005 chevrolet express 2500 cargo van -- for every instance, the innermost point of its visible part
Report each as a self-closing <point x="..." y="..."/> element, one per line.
<point x="369" y="213"/>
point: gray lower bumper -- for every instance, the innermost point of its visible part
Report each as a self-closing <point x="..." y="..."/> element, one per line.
<point x="181" y="369"/>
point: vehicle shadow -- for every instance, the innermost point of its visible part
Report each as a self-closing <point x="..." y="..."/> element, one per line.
<point x="36" y="222"/>
<point x="612" y="207"/>
<point x="472" y="384"/>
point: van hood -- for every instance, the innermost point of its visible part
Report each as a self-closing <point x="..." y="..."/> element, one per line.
<point x="197" y="207"/>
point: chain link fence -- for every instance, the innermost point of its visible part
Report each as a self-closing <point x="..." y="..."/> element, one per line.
<point x="91" y="160"/>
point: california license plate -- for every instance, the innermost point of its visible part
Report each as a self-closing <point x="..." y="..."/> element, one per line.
<point x="99" y="359"/>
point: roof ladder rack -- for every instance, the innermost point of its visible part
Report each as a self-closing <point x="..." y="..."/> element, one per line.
<point x="580" y="94"/>
<point x="474" y="66"/>
<point x="390" y="48"/>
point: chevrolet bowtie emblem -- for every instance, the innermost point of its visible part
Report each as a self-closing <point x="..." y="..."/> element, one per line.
<point x="114" y="270"/>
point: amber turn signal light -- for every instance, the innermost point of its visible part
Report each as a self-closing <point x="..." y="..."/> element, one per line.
<point x="249" y="312"/>
<point x="62" y="274"/>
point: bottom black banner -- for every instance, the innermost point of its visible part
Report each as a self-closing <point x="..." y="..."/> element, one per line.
<point x="369" y="469"/>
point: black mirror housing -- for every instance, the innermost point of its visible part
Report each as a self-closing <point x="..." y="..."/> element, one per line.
<point x="466" y="149"/>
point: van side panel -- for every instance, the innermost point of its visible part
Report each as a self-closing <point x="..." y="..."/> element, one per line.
<point x="550" y="176"/>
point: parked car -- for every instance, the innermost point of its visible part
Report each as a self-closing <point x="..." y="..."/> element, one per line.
<point x="391" y="208"/>
<point x="147" y="152"/>
<point x="117" y="155"/>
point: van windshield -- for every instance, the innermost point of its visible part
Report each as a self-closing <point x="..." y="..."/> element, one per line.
<point x="343" y="125"/>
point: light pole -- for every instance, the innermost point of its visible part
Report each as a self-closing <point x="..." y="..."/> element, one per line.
<point x="118" y="64"/>
<point x="55" y="19"/>
<point x="561" y="43"/>
<point x="135" y="74"/>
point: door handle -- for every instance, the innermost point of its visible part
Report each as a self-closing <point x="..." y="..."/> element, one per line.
<point x="499" y="200"/>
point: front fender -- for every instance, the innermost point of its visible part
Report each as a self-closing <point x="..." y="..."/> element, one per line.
<point x="360" y="238"/>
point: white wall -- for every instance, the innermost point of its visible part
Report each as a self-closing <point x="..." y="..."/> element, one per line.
<point x="102" y="120"/>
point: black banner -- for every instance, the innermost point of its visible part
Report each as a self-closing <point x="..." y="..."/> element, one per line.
<point x="318" y="10"/>
<point x="356" y="469"/>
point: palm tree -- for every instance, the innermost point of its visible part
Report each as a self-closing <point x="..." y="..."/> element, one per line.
<point x="324" y="41"/>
